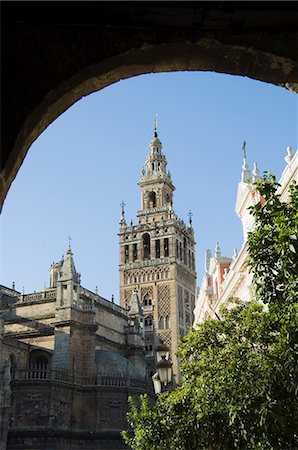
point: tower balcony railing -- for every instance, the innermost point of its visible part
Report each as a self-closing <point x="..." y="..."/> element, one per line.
<point x="149" y="262"/>
<point x="147" y="308"/>
<point x="65" y="376"/>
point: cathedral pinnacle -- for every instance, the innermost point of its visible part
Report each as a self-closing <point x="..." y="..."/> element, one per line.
<point x="217" y="251"/>
<point x="245" y="176"/>
<point x="190" y="218"/>
<point x="255" y="173"/>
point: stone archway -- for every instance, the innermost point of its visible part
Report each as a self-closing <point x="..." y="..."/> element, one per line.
<point x="52" y="58"/>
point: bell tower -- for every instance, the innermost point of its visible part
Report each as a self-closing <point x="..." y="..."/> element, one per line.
<point x="157" y="259"/>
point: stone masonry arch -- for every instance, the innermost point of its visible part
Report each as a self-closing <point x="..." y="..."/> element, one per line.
<point x="52" y="57"/>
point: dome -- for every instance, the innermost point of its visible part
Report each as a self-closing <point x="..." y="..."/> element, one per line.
<point x="112" y="364"/>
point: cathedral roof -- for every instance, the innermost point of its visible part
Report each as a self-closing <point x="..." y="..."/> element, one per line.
<point x="113" y="364"/>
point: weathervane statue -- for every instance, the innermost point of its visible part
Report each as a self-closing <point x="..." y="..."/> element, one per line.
<point x="155" y="124"/>
<point x="244" y="149"/>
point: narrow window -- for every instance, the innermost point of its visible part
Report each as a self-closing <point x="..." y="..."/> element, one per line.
<point x="177" y="249"/>
<point x="161" y="323"/>
<point x="135" y="252"/>
<point x="180" y="252"/>
<point x="166" y="246"/>
<point x="146" y="246"/>
<point x="167" y="322"/>
<point x="126" y="253"/>
<point x="157" y="248"/>
<point x="152" y="199"/>
<point x="184" y="251"/>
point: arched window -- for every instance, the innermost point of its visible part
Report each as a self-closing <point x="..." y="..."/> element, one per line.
<point x="147" y="300"/>
<point x="161" y="323"/>
<point x="152" y="199"/>
<point x="146" y="246"/>
<point x="39" y="364"/>
<point x="167" y="322"/>
<point x="148" y="324"/>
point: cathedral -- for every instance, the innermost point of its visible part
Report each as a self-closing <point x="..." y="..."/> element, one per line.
<point x="70" y="358"/>
<point x="157" y="261"/>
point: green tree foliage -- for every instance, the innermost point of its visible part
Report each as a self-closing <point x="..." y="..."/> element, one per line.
<point x="239" y="374"/>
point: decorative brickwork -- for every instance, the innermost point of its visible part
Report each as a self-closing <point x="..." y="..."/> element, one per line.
<point x="166" y="338"/>
<point x="164" y="305"/>
<point x="157" y="269"/>
<point x="127" y="296"/>
<point x="185" y="276"/>
<point x="180" y="305"/>
<point x="143" y="276"/>
<point x="147" y="290"/>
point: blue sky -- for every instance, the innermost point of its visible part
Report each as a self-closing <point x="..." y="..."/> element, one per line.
<point x="89" y="159"/>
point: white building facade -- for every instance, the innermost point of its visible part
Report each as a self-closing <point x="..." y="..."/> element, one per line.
<point x="228" y="279"/>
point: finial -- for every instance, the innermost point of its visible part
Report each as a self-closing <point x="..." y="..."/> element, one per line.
<point x="289" y="156"/>
<point x="122" y="204"/>
<point x="155" y="125"/>
<point x="13" y="286"/>
<point x="112" y="298"/>
<point x="190" y="217"/>
<point x="122" y="221"/>
<point x="207" y="260"/>
<point x="244" y="149"/>
<point x="96" y="289"/>
<point x="245" y="176"/>
<point x="255" y="173"/>
<point x="69" y="242"/>
<point x="217" y="250"/>
<point x="235" y="254"/>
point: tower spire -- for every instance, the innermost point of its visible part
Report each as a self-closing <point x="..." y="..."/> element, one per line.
<point x="155" y="125"/>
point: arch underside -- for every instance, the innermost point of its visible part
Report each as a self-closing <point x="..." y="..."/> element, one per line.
<point x="61" y="63"/>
